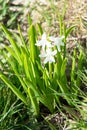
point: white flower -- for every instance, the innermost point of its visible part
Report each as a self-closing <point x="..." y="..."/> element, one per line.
<point x="57" y="41"/>
<point x="43" y="42"/>
<point x="48" y="55"/>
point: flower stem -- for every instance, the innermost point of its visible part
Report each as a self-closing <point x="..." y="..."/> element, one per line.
<point x="50" y="70"/>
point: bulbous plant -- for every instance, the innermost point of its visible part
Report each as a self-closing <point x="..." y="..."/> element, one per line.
<point x="40" y="67"/>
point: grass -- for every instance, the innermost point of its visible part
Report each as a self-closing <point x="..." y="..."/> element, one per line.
<point x="35" y="92"/>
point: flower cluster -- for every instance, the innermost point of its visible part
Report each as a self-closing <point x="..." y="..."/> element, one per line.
<point x="47" y="45"/>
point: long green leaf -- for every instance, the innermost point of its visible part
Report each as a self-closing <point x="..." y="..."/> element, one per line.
<point x="11" y="51"/>
<point x="40" y="29"/>
<point x="80" y="62"/>
<point x="32" y="86"/>
<point x="68" y="31"/>
<point x="13" y="88"/>
<point x="13" y="43"/>
<point x="64" y="90"/>
<point x="18" y="75"/>
<point x="63" y="67"/>
<point x="26" y="67"/>
<point x="32" y="40"/>
<point x="73" y="66"/>
<point x="29" y="20"/>
<point x="43" y="98"/>
<point x="35" y="103"/>
<point x="59" y="64"/>
<point x="22" y="39"/>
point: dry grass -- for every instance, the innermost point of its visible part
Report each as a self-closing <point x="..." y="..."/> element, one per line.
<point x="47" y="14"/>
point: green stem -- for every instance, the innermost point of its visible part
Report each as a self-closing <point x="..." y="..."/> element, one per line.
<point x="64" y="48"/>
<point x="50" y="70"/>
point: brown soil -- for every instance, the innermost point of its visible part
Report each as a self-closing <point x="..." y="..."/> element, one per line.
<point x="47" y="12"/>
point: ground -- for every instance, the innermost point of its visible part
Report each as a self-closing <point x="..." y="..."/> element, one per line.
<point x="47" y="13"/>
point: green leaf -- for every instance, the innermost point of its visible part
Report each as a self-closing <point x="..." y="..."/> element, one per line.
<point x="73" y="66"/>
<point x="14" y="89"/>
<point x="46" y="77"/>
<point x="64" y="90"/>
<point x="29" y="20"/>
<point x="63" y="67"/>
<point x="32" y="86"/>
<point x="22" y="39"/>
<point x="13" y="43"/>
<point x="68" y="31"/>
<point x="14" y="64"/>
<point x="80" y="62"/>
<point x="26" y="67"/>
<point x="35" y="103"/>
<point x="32" y="40"/>
<point x="40" y="29"/>
<point x="52" y="127"/>
<point x="12" y="52"/>
<point x="59" y="64"/>
<point x="29" y="69"/>
<point x="12" y="19"/>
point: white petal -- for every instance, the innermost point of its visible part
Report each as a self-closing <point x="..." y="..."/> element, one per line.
<point x="42" y="55"/>
<point x="49" y="59"/>
<point x="45" y="61"/>
<point x="44" y="36"/>
<point x="38" y="43"/>
<point x="62" y="37"/>
<point x="44" y="43"/>
<point x="52" y="59"/>
<point x="54" y="52"/>
<point x="59" y="49"/>
<point x="51" y="38"/>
